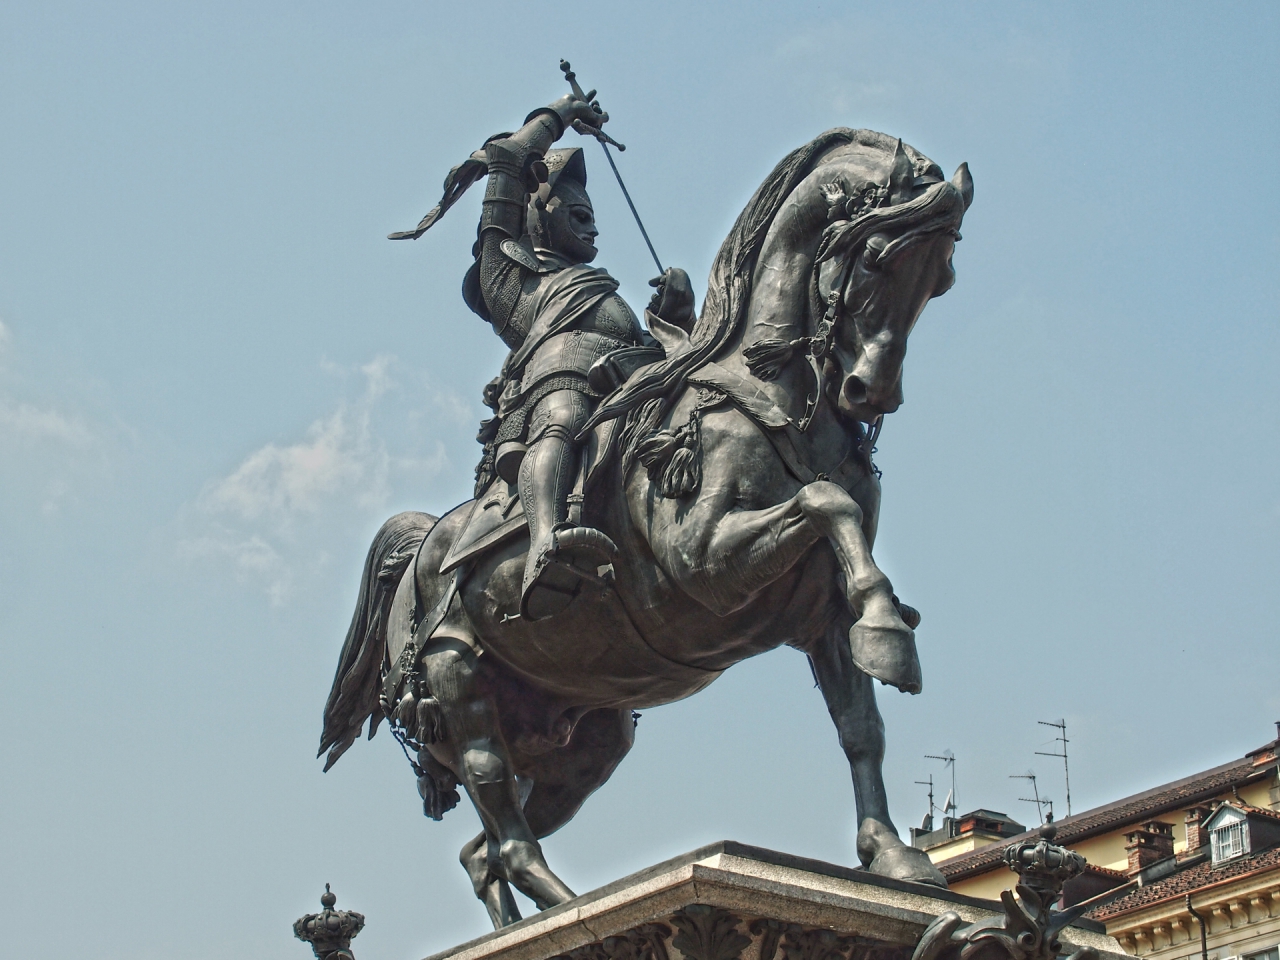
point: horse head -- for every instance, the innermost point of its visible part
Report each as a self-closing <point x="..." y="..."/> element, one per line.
<point x="855" y="252"/>
<point x="877" y="266"/>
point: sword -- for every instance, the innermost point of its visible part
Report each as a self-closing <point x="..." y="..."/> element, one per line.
<point x="590" y="131"/>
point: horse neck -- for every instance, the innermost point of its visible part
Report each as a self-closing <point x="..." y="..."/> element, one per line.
<point x="779" y="306"/>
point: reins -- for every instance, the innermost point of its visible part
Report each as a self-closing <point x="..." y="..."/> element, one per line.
<point x="818" y="345"/>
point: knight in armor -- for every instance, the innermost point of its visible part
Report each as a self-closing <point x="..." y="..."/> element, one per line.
<point x="532" y="282"/>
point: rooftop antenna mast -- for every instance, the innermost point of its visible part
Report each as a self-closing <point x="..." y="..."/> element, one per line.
<point x="1039" y="801"/>
<point x="949" y="759"/>
<point x="1061" y="727"/>
<point x="928" y="820"/>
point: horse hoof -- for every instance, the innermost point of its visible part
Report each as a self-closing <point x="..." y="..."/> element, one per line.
<point x="907" y="863"/>
<point x="887" y="653"/>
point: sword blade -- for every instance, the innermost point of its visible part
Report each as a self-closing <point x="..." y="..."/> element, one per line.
<point x="639" y="223"/>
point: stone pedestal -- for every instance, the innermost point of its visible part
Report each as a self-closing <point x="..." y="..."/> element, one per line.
<point x="729" y="901"/>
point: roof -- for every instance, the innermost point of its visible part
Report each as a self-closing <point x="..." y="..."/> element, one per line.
<point x="1250" y="809"/>
<point x="1129" y="810"/>
<point x="1193" y="879"/>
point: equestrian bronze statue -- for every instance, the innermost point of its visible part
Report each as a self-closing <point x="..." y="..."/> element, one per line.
<point x="655" y="502"/>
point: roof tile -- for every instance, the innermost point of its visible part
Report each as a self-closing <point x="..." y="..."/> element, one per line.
<point x="1186" y="881"/>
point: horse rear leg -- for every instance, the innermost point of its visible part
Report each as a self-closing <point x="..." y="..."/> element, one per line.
<point x="484" y="765"/>
<point x="561" y="781"/>
<point x="563" y="778"/>
<point x="494" y="892"/>
<point x="851" y="700"/>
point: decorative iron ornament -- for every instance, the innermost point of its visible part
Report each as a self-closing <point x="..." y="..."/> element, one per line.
<point x="1043" y="866"/>
<point x="1030" y="927"/>
<point x="331" y="931"/>
<point x="704" y="932"/>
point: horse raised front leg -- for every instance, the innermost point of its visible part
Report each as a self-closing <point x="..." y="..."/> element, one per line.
<point x="851" y="700"/>
<point x="483" y="765"/>
<point x="882" y="644"/>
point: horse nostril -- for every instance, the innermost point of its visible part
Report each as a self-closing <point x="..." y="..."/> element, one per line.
<point x="854" y="390"/>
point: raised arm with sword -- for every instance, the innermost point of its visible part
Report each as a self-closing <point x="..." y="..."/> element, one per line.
<point x="531" y="281"/>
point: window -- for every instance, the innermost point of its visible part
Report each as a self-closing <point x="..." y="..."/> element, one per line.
<point x="1272" y="954"/>
<point x="1229" y="841"/>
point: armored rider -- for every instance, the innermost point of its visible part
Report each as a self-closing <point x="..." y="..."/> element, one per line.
<point x="532" y="282"/>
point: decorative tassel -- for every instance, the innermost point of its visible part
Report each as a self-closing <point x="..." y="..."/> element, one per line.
<point x="682" y="475"/>
<point x="436" y="786"/>
<point x="673" y="458"/>
<point x="407" y="709"/>
<point x="430" y="721"/>
<point x="656" y="450"/>
<point x="766" y="358"/>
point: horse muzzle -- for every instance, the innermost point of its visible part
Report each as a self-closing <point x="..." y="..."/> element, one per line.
<point x="858" y="401"/>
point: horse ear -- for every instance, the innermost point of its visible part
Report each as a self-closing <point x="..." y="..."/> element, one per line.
<point x="901" y="177"/>
<point x="964" y="183"/>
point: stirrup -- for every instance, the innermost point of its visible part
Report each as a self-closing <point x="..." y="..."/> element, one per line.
<point x="574" y="556"/>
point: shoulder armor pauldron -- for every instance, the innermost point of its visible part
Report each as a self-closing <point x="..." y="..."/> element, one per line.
<point x="522" y="255"/>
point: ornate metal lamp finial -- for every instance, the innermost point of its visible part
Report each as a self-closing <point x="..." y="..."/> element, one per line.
<point x="1043" y="866"/>
<point x="1030" y="926"/>
<point x="331" y="931"/>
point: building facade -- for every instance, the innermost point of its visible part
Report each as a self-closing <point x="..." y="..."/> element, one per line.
<point x="1200" y="856"/>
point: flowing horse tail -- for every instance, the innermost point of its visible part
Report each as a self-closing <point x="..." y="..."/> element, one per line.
<point x="354" y="696"/>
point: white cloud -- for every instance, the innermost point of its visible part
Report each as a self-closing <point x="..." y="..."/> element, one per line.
<point x="33" y="423"/>
<point x="251" y="559"/>
<point x="267" y="518"/>
<point x="339" y="454"/>
<point x="49" y="454"/>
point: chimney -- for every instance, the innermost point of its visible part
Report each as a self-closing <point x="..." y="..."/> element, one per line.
<point x="1151" y="844"/>
<point x="1197" y="835"/>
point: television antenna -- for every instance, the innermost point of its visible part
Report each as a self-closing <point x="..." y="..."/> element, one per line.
<point x="1061" y="727"/>
<point x="949" y="759"/>
<point x="927" y="824"/>
<point x="1039" y="801"/>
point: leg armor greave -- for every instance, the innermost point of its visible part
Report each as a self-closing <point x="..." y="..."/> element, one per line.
<point x="560" y="556"/>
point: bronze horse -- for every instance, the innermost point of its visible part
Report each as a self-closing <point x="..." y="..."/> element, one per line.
<point x="735" y="476"/>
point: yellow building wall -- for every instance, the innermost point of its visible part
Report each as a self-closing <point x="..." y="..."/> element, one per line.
<point x="953" y="848"/>
<point x="1259" y="794"/>
<point x="986" y="885"/>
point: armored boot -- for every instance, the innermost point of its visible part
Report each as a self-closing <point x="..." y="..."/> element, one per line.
<point x="561" y="556"/>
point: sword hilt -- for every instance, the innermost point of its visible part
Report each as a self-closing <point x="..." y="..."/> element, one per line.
<point x="572" y="77"/>
<point x="589" y="131"/>
<point x="582" y="127"/>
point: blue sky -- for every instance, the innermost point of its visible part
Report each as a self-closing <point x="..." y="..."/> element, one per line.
<point x="217" y="379"/>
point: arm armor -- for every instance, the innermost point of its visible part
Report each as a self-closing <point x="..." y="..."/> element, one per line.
<point x="505" y="203"/>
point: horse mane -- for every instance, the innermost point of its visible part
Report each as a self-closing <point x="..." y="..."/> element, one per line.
<point x="645" y="397"/>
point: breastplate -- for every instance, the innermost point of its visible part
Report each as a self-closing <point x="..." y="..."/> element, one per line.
<point x="613" y="318"/>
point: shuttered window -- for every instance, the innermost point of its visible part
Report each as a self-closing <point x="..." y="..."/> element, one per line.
<point x="1229" y="841"/>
